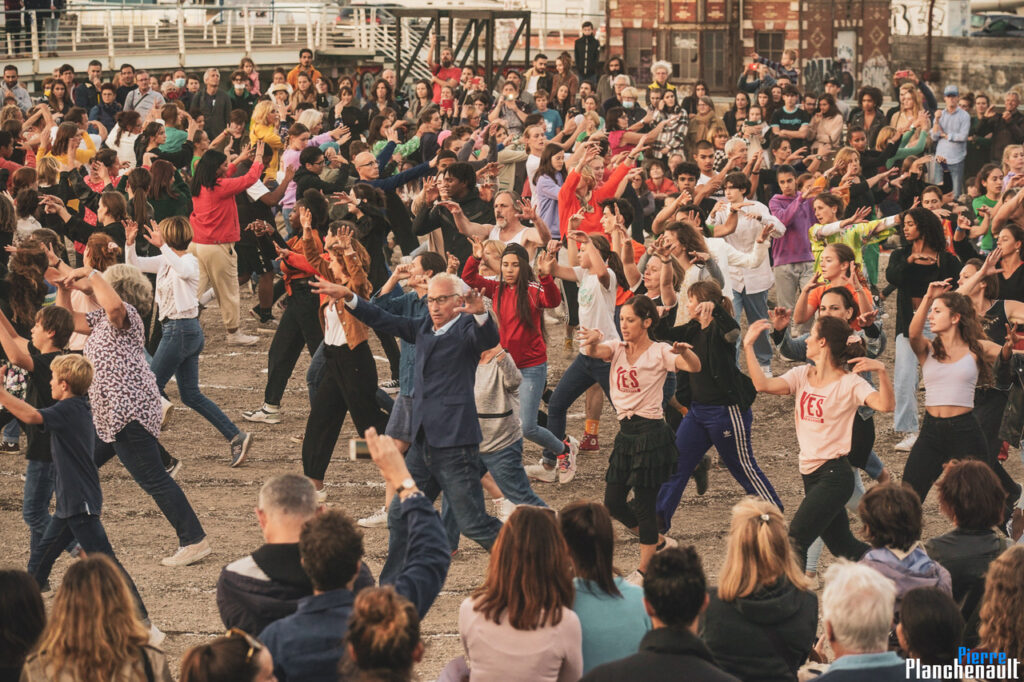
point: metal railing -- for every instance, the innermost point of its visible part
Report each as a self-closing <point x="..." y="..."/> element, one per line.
<point x="123" y="31"/>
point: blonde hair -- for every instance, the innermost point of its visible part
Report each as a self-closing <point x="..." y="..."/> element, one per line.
<point x="93" y="629"/>
<point x="844" y="156"/>
<point x="177" y="232"/>
<point x="757" y="552"/>
<point x="260" y="112"/>
<point x="714" y="131"/>
<point x="495" y="245"/>
<point x="74" y="369"/>
<point x="885" y="134"/>
<point x="11" y="111"/>
<point x="1009" y="149"/>
<point x="310" y="118"/>
<point x="47" y="170"/>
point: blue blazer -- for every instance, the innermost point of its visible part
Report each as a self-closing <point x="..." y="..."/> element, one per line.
<point x="443" y="400"/>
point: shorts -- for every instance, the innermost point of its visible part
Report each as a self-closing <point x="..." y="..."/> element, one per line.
<point x="255" y="257"/>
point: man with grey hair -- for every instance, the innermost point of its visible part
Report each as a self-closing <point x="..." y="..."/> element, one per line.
<point x="143" y="98"/>
<point x="620" y="83"/>
<point x="660" y="71"/>
<point x="857" y="608"/>
<point x="266" y="585"/>
<point x="213" y="104"/>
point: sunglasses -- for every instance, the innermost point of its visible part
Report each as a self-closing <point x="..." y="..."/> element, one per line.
<point x="254" y="644"/>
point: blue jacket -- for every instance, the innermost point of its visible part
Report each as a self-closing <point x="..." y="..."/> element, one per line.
<point x="390" y="184"/>
<point x="408" y="304"/>
<point x="444" y="378"/>
<point x="308" y="644"/>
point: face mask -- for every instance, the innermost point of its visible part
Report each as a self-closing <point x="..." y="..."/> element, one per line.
<point x="628" y="105"/>
<point x="179" y="82"/>
<point x="239" y="87"/>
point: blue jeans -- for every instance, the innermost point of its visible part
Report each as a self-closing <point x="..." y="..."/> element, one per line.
<point x="178" y="356"/>
<point x="905" y="384"/>
<point x="756" y="308"/>
<point x="139" y="453"/>
<point x="455" y="472"/>
<point x="530" y="392"/>
<point x="87" y="529"/>
<point x="12" y="431"/>
<point x="51" y="26"/>
<point x="316" y="371"/>
<point x="35" y="507"/>
<point x="583" y="373"/>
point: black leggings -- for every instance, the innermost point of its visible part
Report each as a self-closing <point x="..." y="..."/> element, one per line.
<point x="638" y="513"/>
<point x="940" y="440"/>
<point x="822" y="513"/>
<point x="572" y="290"/>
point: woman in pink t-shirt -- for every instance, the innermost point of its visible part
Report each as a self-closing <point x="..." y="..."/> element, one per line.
<point x="827" y="397"/>
<point x="644" y="451"/>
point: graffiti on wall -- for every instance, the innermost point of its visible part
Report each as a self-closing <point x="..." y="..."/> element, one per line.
<point x="876" y="72"/>
<point x="910" y="17"/>
<point x="818" y="70"/>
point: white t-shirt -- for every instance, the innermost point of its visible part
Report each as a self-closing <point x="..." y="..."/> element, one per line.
<point x="597" y="304"/>
<point x="824" y="415"/>
<point x="532" y="164"/>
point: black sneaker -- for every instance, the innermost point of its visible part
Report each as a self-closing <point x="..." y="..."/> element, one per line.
<point x="10" y="447"/>
<point x="240" y="447"/>
<point x="700" y="475"/>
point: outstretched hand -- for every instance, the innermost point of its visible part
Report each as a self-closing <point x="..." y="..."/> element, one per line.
<point x="754" y="332"/>
<point x="472" y="303"/>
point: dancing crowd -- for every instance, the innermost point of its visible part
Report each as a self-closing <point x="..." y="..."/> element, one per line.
<point x="669" y="244"/>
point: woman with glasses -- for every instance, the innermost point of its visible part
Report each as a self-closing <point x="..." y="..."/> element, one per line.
<point x="235" y="657"/>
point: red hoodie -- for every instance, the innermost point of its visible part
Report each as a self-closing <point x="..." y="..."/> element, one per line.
<point x="525" y="345"/>
<point x="214" y="212"/>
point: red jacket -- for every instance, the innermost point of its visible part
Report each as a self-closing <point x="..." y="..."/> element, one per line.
<point x="214" y="212"/>
<point x="525" y="345"/>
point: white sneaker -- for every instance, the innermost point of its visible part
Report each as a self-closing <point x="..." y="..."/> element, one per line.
<point x="266" y="415"/>
<point x="156" y="638"/>
<point x="767" y="369"/>
<point x="635" y="578"/>
<point x="165" y="409"/>
<point x="907" y="443"/>
<point x="240" y="339"/>
<point x="666" y="543"/>
<point x="188" y="555"/>
<point x="503" y="508"/>
<point x="378" y="519"/>
<point x="567" y="461"/>
<point x="321" y="495"/>
<point x="538" y="472"/>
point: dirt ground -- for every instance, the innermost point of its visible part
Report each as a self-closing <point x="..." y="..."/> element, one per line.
<point x="181" y="601"/>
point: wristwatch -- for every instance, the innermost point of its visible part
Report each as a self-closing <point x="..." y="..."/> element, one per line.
<point x="406" y="484"/>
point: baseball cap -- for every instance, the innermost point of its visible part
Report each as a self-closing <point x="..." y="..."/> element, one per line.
<point x="951" y="91"/>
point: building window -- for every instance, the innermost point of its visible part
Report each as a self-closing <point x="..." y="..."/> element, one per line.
<point x="639" y="54"/>
<point x="715" y="68"/>
<point x="770" y="44"/>
<point x="683" y="51"/>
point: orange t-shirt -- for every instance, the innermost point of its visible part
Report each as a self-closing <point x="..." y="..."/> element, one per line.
<point x="815" y="295"/>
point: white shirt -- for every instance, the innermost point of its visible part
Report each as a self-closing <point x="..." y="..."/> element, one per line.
<point x="750" y="280"/>
<point x="597" y="304"/>
<point x="125" y="150"/>
<point x="334" y="331"/>
<point x="177" y="281"/>
<point x="532" y="164"/>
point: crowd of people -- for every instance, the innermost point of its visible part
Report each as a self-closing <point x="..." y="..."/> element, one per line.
<point x="465" y="229"/>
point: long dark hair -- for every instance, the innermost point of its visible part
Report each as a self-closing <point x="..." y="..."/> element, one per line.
<point x="610" y="258"/>
<point x="125" y="120"/>
<point x="546" y="168"/>
<point x="970" y="331"/>
<point x="373" y="133"/>
<point x="140" y="182"/>
<point x="206" y="171"/>
<point x="928" y="226"/>
<point x="644" y="308"/>
<point x="521" y="288"/>
<point x="836" y="334"/>
<point x="162" y="175"/>
<point x="22" y="615"/>
<point x="26" y="276"/>
<point x="587" y="528"/>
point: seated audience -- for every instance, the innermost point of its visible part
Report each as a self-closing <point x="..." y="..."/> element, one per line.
<point x="383" y="641"/>
<point x="930" y="627"/>
<point x="235" y="657"/>
<point x="22" y="618"/>
<point x="1001" y="619"/>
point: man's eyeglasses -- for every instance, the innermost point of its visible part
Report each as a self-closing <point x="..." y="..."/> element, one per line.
<point x="439" y="300"/>
<point x="368" y="163"/>
<point x="254" y="644"/>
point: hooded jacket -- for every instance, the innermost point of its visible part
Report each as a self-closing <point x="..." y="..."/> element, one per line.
<point x="908" y="570"/>
<point x="666" y="654"/>
<point x="739" y="633"/>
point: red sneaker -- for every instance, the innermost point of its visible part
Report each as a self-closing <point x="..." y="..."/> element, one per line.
<point x="1004" y="451"/>
<point x="589" y="443"/>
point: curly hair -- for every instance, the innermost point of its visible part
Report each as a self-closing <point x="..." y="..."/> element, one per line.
<point x="1002" y="606"/>
<point x="26" y="275"/>
<point x="132" y="286"/>
<point x="970" y="330"/>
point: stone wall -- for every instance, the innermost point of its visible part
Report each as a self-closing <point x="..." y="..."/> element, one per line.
<point x="991" y="65"/>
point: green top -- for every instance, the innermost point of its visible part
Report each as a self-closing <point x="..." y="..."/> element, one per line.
<point x="904" y="151"/>
<point x="175" y="138"/>
<point x="404" y="149"/>
<point x="988" y="242"/>
<point x="855" y="236"/>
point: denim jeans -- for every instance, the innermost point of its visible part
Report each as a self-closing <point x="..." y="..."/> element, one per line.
<point x="178" y="356"/>
<point x="90" y="534"/>
<point x="139" y="453"/>
<point x="51" y="26"/>
<point x="583" y="373"/>
<point x="756" y="308"/>
<point x="316" y="371"/>
<point x="530" y="392"/>
<point x="35" y="507"/>
<point x="905" y="385"/>
<point x="12" y="430"/>
<point x="940" y="440"/>
<point x="455" y="472"/>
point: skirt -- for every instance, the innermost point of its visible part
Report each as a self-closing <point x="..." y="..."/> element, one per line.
<point x="644" y="454"/>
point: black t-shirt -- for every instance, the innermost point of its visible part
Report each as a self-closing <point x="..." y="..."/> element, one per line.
<point x="790" y="120"/>
<point x="76" y="479"/>
<point x="1012" y="288"/>
<point x="38" y="395"/>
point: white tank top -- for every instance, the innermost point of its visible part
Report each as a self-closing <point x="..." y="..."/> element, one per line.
<point x="949" y="383"/>
<point x="517" y="239"/>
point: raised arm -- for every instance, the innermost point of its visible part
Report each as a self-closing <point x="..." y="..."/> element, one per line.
<point x="918" y="342"/>
<point x="763" y="384"/>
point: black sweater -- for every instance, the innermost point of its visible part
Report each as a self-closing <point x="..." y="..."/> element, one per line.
<point x="912" y="279"/>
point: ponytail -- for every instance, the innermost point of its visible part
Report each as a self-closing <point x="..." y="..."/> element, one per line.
<point x="709" y="290"/>
<point x="837" y="335"/>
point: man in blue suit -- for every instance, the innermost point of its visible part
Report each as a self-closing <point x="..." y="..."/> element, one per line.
<point x="445" y="455"/>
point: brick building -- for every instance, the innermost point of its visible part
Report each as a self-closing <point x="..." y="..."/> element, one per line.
<point x="713" y="39"/>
